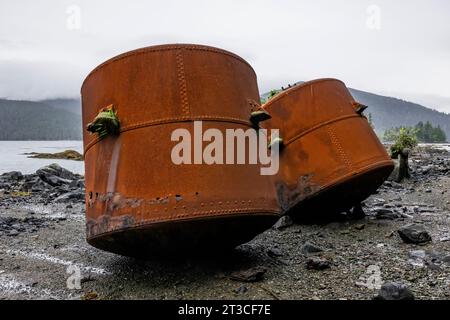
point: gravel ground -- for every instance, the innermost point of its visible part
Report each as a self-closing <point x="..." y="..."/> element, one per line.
<point x="42" y="249"/>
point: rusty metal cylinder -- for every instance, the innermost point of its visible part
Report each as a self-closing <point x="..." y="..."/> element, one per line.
<point x="138" y="201"/>
<point x="331" y="159"/>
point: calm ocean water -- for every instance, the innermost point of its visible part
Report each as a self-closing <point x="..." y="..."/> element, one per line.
<point x="12" y="156"/>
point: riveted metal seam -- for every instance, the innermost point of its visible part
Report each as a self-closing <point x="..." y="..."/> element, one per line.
<point x="156" y="122"/>
<point x="309" y="130"/>
<point x="337" y="144"/>
<point x="182" y="83"/>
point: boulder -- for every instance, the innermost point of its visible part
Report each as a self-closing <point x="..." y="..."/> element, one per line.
<point x="13" y="175"/>
<point x="55" y="175"/>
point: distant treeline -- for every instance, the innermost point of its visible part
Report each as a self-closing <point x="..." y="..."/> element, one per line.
<point x="424" y="132"/>
<point x="26" y="120"/>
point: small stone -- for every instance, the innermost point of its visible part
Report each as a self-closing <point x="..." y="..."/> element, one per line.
<point x="417" y="254"/>
<point x="315" y="263"/>
<point x="241" y="290"/>
<point x="91" y="295"/>
<point x="417" y="258"/>
<point x="274" y="252"/>
<point x="250" y="275"/>
<point x="309" y="248"/>
<point x="446" y="259"/>
<point x="357" y="212"/>
<point x="13" y="233"/>
<point x="360" y="226"/>
<point x="384" y="213"/>
<point x="394" y="291"/>
<point x="88" y="278"/>
<point x="283" y="222"/>
<point x="414" y="233"/>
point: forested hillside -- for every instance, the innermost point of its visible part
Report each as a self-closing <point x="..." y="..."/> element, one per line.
<point x="387" y="112"/>
<point x="26" y="120"/>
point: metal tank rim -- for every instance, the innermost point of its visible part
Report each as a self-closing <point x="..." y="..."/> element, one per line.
<point x="166" y="47"/>
<point x="298" y="87"/>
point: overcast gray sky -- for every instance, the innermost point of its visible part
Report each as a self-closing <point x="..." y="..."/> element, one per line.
<point x="397" y="48"/>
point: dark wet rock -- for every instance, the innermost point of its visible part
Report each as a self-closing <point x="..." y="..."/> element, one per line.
<point x="250" y="275"/>
<point x="54" y="180"/>
<point x="394" y="291"/>
<point x="55" y="175"/>
<point x="446" y="259"/>
<point x="14" y="226"/>
<point x="283" y="222"/>
<point x="379" y="201"/>
<point x="70" y="196"/>
<point x="310" y="248"/>
<point x="57" y="170"/>
<point x="315" y="263"/>
<point x="385" y="213"/>
<point x="417" y="257"/>
<point x="13" y="175"/>
<point x="13" y="233"/>
<point x="241" y="290"/>
<point x="357" y="212"/>
<point x="274" y="252"/>
<point x="33" y="183"/>
<point x="359" y="226"/>
<point x="88" y="278"/>
<point x="414" y="233"/>
<point x="387" y="183"/>
<point x="78" y="183"/>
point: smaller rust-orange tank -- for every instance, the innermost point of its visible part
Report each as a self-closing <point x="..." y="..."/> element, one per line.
<point x="330" y="158"/>
<point x="140" y="202"/>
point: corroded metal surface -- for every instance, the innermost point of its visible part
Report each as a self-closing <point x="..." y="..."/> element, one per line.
<point x="138" y="201"/>
<point x="331" y="157"/>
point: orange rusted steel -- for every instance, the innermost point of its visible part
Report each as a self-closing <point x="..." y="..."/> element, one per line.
<point x="138" y="201"/>
<point x="331" y="158"/>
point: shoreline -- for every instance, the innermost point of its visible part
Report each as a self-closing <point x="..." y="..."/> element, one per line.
<point x="42" y="232"/>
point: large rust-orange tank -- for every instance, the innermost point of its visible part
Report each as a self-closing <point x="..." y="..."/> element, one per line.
<point x="331" y="159"/>
<point x="138" y="201"/>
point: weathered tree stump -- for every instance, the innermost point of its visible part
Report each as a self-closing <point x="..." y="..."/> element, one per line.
<point x="403" y="166"/>
<point x="401" y="170"/>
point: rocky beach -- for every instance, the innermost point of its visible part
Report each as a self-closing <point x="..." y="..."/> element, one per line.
<point x="400" y="248"/>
